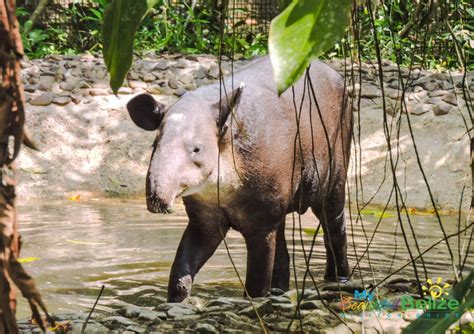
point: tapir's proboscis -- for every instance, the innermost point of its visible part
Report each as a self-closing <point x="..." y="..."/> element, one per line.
<point x="244" y="158"/>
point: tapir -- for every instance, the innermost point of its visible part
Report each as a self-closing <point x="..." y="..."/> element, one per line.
<point x="240" y="156"/>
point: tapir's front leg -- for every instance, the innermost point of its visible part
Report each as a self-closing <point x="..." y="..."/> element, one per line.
<point x="260" y="260"/>
<point x="197" y="245"/>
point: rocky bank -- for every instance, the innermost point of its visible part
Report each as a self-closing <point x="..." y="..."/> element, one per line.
<point x="90" y="147"/>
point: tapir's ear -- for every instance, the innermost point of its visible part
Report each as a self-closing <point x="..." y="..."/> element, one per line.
<point x="224" y="108"/>
<point x="146" y="112"/>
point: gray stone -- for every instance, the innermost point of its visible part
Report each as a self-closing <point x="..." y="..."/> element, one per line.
<point x="137" y="84"/>
<point x="214" y="71"/>
<point x="148" y="77"/>
<point x="262" y="308"/>
<point x="186" y="78"/>
<point x="29" y="88"/>
<point x="68" y="85"/>
<point x="119" y="320"/>
<point x="136" y="329"/>
<point x="180" y="91"/>
<point x="181" y="63"/>
<point x="155" y="89"/>
<point x="280" y="299"/>
<point x="442" y="108"/>
<point x="421" y="109"/>
<point x="200" y="72"/>
<point x="42" y="100"/>
<point x="310" y="305"/>
<point x="132" y="75"/>
<point x="161" y="65"/>
<point x="45" y="87"/>
<point x="370" y="91"/>
<point x="61" y="100"/>
<point x="124" y="91"/>
<point x="179" y="312"/>
<point x="450" y="98"/>
<point x="98" y="92"/>
<point x="430" y="86"/>
<point x="173" y="83"/>
<point x="76" y="98"/>
<point x="206" y="329"/>
<point x="153" y="316"/>
<point x="394" y="84"/>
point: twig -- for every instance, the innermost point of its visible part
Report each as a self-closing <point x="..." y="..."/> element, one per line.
<point x="92" y="310"/>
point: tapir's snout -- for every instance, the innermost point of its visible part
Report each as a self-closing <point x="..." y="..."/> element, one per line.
<point x="155" y="204"/>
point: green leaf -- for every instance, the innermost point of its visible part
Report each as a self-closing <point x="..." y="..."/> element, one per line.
<point x="432" y="325"/>
<point x="312" y="231"/>
<point x="377" y="213"/>
<point x="121" y="20"/>
<point x="304" y="30"/>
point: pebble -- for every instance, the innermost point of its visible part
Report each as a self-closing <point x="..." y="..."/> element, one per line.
<point x="61" y="100"/>
<point x="205" y="329"/>
<point x="421" y="109"/>
<point x="261" y="308"/>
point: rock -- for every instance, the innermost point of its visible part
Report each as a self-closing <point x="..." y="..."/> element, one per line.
<point x="161" y="65"/>
<point x="91" y="328"/>
<point x="442" y="108"/>
<point x="450" y="98"/>
<point x="61" y="100"/>
<point x="119" y="320"/>
<point x="186" y="78"/>
<point x="137" y="84"/>
<point x="136" y="329"/>
<point x="155" y="89"/>
<point x="173" y="83"/>
<point x="76" y="98"/>
<point x="181" y="63"/>
<point x="29" y="88"/>
<point x="276" y="292"/>
<point x="421" y="109"/>
<point x="310" y="305"/>
<point x="98" y="92"/>
<point x="124" y="91"/>
<point x="280" y="299"/>
<point x="45" y="87"/>
<point x="67" y="85"/>
<point x="42" y="100"/>
<point x="148" y="77"/>
<point x="395" y="84"/>
<point x="430" y="86"/>
<point x="153" y="316"/>
<point x="132" y="75"/>
<point x="262" y="308"/>
<point x="205" y="329"/>
<point x="200" y="72"/>
<point x="370" y="91"/>
<point x="179" y="312"/>
<point x="180" y="91"/>
<point x="214" y="71"/>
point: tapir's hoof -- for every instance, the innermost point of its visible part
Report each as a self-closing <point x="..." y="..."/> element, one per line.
<point x="181" y="290"/>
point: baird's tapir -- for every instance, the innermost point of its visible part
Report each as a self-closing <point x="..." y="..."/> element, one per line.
<point x="244" y="158"/>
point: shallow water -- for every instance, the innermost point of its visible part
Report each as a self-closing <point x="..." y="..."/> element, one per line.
<point x="76" y="247"/>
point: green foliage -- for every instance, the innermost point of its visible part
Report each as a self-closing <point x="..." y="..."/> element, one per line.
<point x="421" y="32"/>
<point x="304" y="30"/>
<point x="121" y="21"/>
<point x="462" y="292"/>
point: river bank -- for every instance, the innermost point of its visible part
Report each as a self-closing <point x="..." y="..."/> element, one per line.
<point x="89" y="147"/>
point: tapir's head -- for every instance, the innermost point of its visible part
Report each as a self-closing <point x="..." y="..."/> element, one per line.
<point x="186" y="149"/>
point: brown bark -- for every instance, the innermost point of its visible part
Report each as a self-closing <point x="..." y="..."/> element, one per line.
<point x="12" y="118"/>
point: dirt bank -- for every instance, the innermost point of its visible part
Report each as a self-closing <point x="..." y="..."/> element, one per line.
<point x="90" y="147"/>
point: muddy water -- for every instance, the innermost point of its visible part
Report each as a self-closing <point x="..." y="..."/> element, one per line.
<point x="73" y="248"/>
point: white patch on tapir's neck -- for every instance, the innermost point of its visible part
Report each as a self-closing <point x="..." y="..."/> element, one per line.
<point x="178" y="117"/>
<point x="229" y="181"/>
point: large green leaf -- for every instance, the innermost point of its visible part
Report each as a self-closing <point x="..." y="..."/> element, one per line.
<point x="121" y="20"/>
<point x="304" y="30"/>
<point x="432" y="325"/>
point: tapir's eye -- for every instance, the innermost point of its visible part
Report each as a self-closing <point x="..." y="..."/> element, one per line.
<point x="197" y="149"/>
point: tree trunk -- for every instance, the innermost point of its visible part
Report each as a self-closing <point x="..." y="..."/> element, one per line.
<point x="12" y="117"/>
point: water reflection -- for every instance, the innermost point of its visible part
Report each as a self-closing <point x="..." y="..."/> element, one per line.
<point x="82" y="245"/>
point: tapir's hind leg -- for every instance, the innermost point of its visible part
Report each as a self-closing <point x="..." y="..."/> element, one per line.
<point x="331" y="217"/>
<point x="281" y="267"/>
